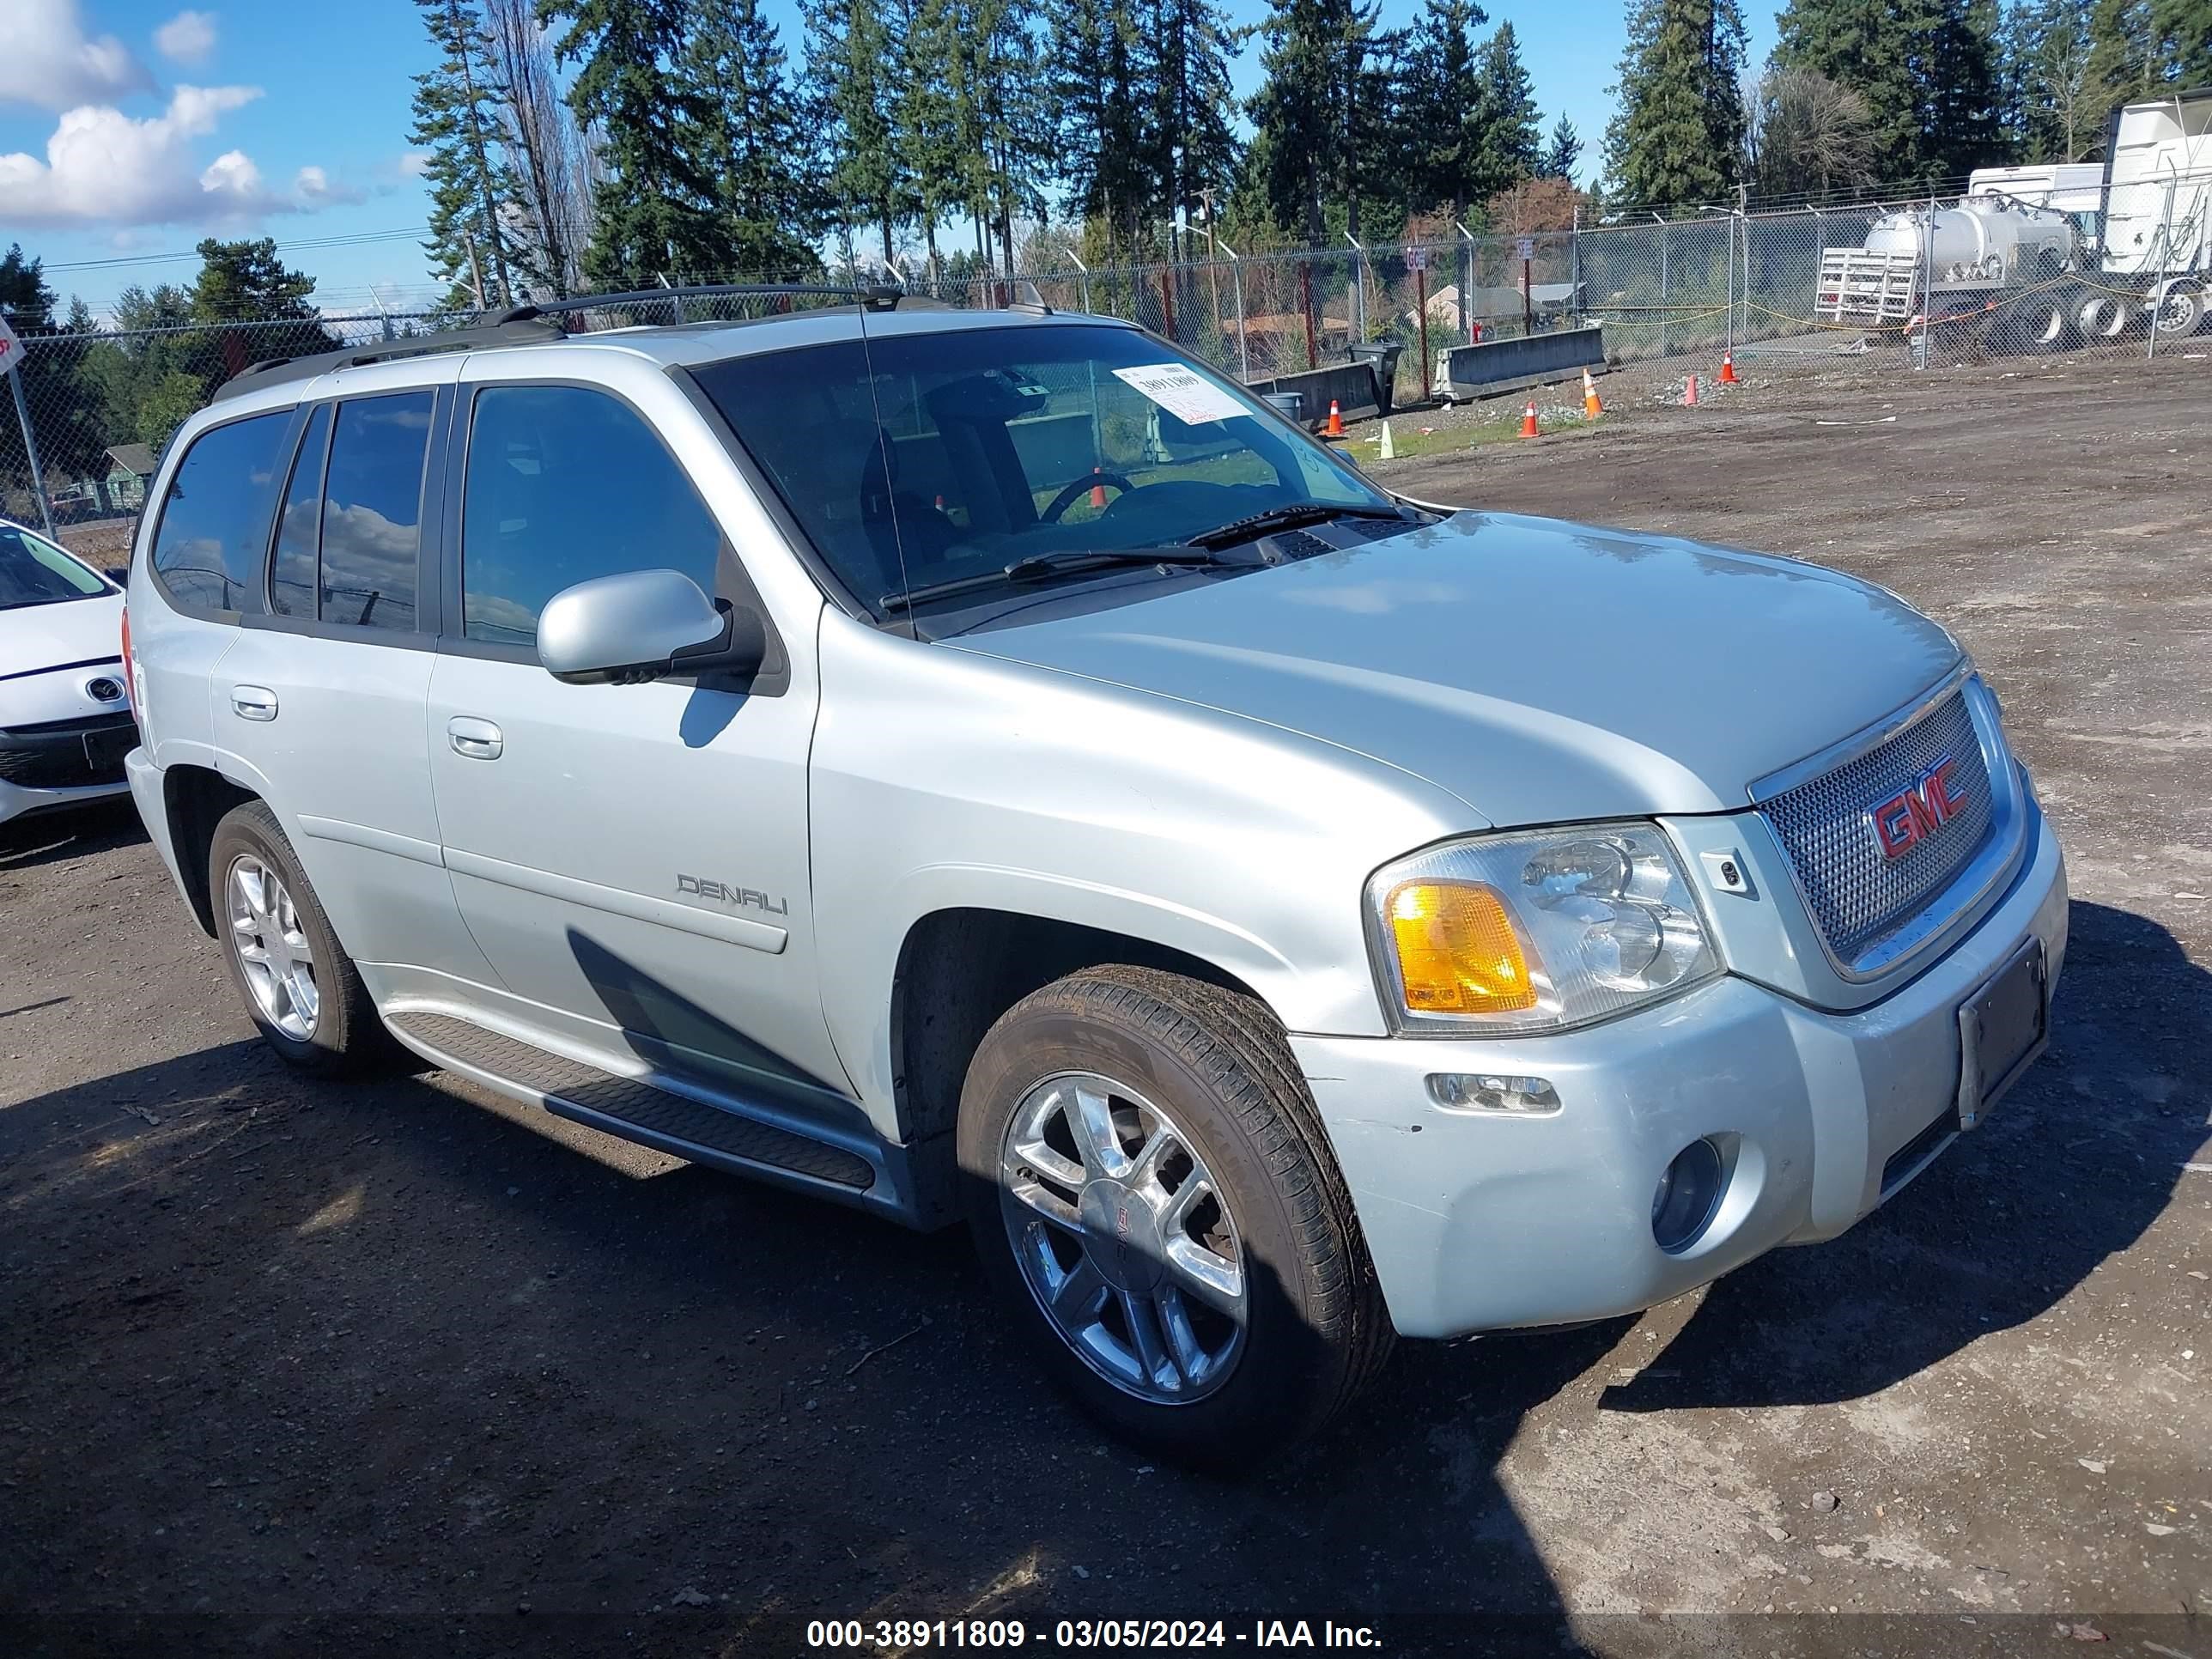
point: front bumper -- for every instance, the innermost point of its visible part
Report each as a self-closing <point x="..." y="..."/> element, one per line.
<point x="1482" y="1221"/>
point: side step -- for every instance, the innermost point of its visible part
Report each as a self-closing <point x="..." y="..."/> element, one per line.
<point x="636" y="1111"/>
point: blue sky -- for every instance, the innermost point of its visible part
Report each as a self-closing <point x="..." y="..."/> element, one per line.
<point x="129" y="130"/>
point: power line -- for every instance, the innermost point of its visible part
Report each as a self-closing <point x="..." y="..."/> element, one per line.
<point x="308" y="244"/>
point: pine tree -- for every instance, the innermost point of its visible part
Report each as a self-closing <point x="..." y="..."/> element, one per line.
<point x="926" y="112"/>
<point x="1008" y="153"/>
<point x="1440" y="115"/>
<point x="1511" y="136"/>
<point x="851" y="61"/>
<point x="1193" y="147"/>
<point x="1563" y="152"/>
<point x="1878" y="48"/>
<point x="654" y="216"/>
<point x="1962" y="111"/>
<point x="1100" y="89"/>
<point x="457" y="120"/>
<point x="1303" y="144"/>
<point x="746" y="142"/>
<point x="1678" y="135"/>
<point x="2047" y="44"/>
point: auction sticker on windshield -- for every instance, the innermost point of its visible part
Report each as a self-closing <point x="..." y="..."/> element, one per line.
<point x="1183" y="392"/>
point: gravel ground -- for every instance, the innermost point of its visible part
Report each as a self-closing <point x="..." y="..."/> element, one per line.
<point x="402" y="1368"/>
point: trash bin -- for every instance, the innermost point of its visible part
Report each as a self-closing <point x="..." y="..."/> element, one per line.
<point x="1288" y="402"/>
<point x="1382" y="356"/>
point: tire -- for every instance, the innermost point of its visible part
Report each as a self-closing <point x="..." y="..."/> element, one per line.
<point x="2104" y="318"/>
<point x="341" y="1032"/>
<point x="1209" y="1069"/>
<point x="2181" y="312"/>
<point x="2034" y="325"/>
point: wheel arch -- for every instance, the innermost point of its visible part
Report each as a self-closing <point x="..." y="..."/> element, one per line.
<point x="195" y="799"/>
<point x="961" y="967"/>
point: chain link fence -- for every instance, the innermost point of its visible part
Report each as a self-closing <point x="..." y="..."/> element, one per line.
<point x="2116" y="273"/>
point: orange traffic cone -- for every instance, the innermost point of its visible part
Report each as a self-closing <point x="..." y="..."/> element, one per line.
<point x="1335" y="420"/>
<point x="1727" y="368"/>
<point x="1529" y="420"/>
<point x="1098" y="492"/>
<point x="1591" y="407"/>
<point x="1690" y="392"/>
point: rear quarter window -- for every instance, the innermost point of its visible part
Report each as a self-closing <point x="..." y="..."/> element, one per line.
<point x="209" y="544"/>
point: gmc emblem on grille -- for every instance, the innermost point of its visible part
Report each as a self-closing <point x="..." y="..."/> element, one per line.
<point x="1904" y="821"/>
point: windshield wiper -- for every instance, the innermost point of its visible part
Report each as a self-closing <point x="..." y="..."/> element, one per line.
<point x="1288" y="517"/>
<point x="1066" y="562"/>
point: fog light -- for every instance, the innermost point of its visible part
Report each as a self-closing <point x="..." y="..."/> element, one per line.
<point x="1688" y="1194"/>
<point x="1482" y="1091"/>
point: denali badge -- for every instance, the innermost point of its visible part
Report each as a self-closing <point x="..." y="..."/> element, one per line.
<point x="1904" y="821"/>
<point x="723" y="892"/>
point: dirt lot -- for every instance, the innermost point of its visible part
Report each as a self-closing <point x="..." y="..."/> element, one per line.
<point x="400" y="1368"/>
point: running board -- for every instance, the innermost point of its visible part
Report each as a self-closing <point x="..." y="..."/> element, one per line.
<point x="639" y="1111"/>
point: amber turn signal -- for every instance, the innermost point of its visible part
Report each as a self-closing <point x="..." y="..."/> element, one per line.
<point x="1458" y="952"/>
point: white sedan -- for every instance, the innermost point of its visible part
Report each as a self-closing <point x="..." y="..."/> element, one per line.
<point x="66" y="721"/>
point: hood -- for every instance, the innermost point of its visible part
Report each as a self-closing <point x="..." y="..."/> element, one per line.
<point x="37" y="639"/>
<point x="1542" y="671"/>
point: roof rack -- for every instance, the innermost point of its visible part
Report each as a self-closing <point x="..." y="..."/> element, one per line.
<point x="521" y="325"/>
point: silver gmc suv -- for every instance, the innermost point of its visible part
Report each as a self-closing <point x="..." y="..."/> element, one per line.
<point x="987" y="766"/>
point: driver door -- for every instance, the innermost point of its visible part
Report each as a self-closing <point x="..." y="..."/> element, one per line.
<point x="632" y="859"/>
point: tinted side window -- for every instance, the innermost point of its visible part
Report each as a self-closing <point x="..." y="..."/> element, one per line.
<point x="292" y="576"/>
<point x="208" y="547"/>
<point x="564" y="485"/>
<point x="373" y="510"/>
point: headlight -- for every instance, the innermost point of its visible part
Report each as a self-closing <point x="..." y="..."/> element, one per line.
<point x="1536" y="930"/>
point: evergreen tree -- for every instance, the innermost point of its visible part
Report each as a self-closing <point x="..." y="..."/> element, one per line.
<point x="851" y="65"/>
<point x="2184" y="29"/>
<point x="1303" y="143"/>
<point x="1440" y="115"/>
<point x="1962" y="117"/>
<point x="1008" y="153"/>
<point x="654" y="216"/>
<point x="1511" y="135"/>
<point x="1193" y="147"/>
<point x="2047" y="44"/>
<point x="927" y="112"/>
<point x="747" y="142"/>
<point x="246" y="282"/>
<point x="1563" y="152"/>
<point x="1880" y="50"/>
<point x="1099" y="84"/>
<point x="1678" y="134"/>
<point x="457" y="120"/>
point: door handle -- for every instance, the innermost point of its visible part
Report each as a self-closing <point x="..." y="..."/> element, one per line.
<point x="253" y="702"/>
<point x="477" y="739"/>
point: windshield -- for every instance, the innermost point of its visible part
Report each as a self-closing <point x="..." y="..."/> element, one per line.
<point x="35" y="572"/>
<point x="965" y="451"/>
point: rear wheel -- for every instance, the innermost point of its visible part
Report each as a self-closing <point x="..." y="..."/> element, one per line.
<point x="1150" y="1189"/>
<point x="2104" y="318"/>
<point x="300" y="987"/>
<point x="2034" y="323"/>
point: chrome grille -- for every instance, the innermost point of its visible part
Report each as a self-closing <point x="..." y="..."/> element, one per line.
<point x="1857" y="894"/>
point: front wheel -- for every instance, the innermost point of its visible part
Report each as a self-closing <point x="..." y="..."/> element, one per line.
<point x="1150" y="1189"/>
<point x="2181" y="312"/>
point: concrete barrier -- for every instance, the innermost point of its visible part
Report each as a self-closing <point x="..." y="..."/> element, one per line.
<point x="1494" y="366"/>
<point x="1353" y="385"/>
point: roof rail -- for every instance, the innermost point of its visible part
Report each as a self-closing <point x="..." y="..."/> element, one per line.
<point x="271" y="370"/>
<point x="876" y="296"/>
<point x="520" y="324"/>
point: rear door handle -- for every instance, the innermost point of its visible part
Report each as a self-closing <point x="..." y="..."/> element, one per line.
<point x="253" y="702"/>
<point x="477" y="739"/>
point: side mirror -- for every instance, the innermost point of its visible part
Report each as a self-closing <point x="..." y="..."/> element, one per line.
<point x="644" y="625"/>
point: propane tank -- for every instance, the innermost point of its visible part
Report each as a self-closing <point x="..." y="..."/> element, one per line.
<point x="1985" y="239"/>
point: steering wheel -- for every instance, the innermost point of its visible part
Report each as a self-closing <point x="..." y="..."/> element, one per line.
<point x="1065" y="499"/>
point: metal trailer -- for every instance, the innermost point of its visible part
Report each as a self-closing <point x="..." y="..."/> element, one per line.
<point x="2032" y="276"/>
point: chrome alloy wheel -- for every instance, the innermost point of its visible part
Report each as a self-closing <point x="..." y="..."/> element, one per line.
<point x="1124" y="1237"/>
<point x="279" y="964"/>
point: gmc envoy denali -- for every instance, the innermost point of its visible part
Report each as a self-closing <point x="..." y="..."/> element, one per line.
<point x="987" y="766"/>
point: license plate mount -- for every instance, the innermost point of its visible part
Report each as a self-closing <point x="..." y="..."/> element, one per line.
<point x="2004" y="1029"/>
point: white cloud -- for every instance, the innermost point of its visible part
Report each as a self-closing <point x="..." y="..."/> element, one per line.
<point x="45" y="58"/>
<point x="104" y="167"/>
<point x="187" y="38"/>
<point x="415" y="163"/>
<point x="313" y="188"/>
